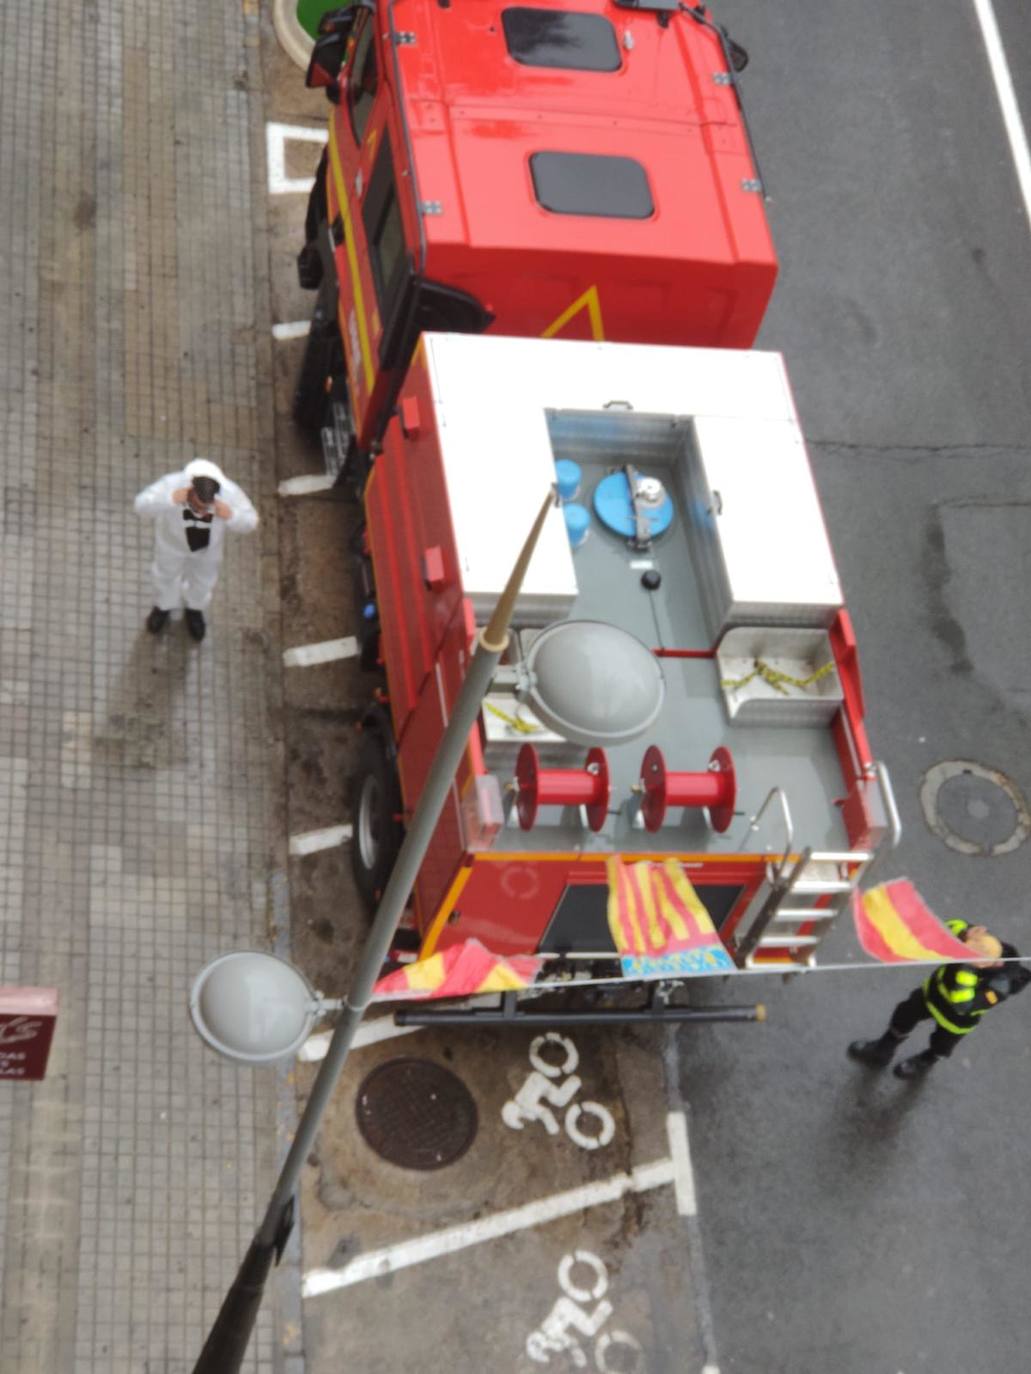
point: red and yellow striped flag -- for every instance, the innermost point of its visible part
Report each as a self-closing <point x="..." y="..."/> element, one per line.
<point x="659" y="924"/>
<point x="458" y="971"/>
<point x="896" y="926"/>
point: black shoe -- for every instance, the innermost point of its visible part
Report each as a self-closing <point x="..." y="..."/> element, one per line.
<point x="874" y="1053"/>
<point x="157" y="620"/>
<point x="916" y="1066"/>
<point x="195" y="624"/>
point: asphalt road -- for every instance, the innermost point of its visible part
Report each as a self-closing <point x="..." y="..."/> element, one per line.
<point x="854" y="1224"/>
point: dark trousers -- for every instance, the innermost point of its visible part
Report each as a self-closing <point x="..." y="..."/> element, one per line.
<point x="909" y="1013"/>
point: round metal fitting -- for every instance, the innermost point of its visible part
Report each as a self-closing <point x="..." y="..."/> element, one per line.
<point x="416" y="1114"/>
<point x="975" y="810"/>
<point x="594" y="683"/>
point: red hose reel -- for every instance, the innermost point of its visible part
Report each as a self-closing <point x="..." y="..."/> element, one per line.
<point x="537" y="786"/>
<point x="716" y="789"/>
<point x="590" y="787"/>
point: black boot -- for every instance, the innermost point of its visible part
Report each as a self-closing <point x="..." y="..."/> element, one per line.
<point x="916" y="1065"/>
<point x="877" y="1054"/>
<point x="157" y="620"/>
<point x="195" y="624"/>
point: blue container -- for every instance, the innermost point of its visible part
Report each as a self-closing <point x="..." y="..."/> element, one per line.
<point x="568" y="476"/>
<point x="578" y="523"/>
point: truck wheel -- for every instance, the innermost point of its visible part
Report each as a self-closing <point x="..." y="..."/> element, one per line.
<point x="375" y="812"/>
<point x="311" y="399"/>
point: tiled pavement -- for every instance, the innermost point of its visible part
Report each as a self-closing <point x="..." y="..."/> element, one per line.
<point x="140" y="779"/>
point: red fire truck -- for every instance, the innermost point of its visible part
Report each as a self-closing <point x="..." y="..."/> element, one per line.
<point x="572" y="171"/>
<point x="540" y="245"/>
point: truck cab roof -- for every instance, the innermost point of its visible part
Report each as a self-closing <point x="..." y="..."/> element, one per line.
<point x="570" y="128"/>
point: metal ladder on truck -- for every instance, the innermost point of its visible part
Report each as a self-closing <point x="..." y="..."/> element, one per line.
<point x="797" y="903"/>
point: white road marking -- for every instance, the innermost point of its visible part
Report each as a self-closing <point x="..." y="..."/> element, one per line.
<point x="293" y="329"/>
<point x="683" y="1180"/>
<point x="454" y="1238"/>
<point x="311" y="841"/>
<point x="368" y="1033"/>
<point x="304" y="486"/>
<point x="588" y="1140"/>
<point x="590" y="1260"/>
<point x="277" y="136"/>
<point x="711" y="1369"/>
<point x="1007" y="98"/>
<point x="617" y="1338"/>
<point x="328" y="651"/>
<point x="541" y="1091"/>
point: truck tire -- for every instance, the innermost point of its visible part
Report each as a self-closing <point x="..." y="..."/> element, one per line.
<point x="311" y="399"/>
<point x="375" y="817"/>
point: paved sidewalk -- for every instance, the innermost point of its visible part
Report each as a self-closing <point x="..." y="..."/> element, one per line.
<point x="140" y="779"/>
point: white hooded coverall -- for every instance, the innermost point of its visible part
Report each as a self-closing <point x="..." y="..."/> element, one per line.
<point x="182" y="576"/>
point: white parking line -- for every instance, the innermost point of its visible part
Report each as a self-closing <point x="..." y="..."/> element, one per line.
<point x="292" y="329"/>
<point x="303" y="486"/>
<point x="328" y="651"/>
<point x="368" y="1033"/>
<point x="683" y="1173"/>
<point x="277" y="136"/>
<point x="1007" y="98"/>
<point x="394" y="1257"/>
<point x="311" y="841"/>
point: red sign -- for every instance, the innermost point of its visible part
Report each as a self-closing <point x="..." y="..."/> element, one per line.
<point x="27" y="1020"/>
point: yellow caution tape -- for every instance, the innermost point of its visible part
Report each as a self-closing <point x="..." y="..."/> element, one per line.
<point x="523" y="726"/>
<point x="777" y="679"/>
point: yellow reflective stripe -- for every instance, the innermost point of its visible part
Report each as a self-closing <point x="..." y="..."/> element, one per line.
<point x="957" y="927"/>
<point x="966" y="978"/>
<point x="588" y="301"/>
<point x="352" y="256"/>
<point x="944" y="1021"/>
<point x="959" y="995"/>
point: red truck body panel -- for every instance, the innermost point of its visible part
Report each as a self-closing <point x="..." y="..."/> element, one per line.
<point x="461" y="122"/>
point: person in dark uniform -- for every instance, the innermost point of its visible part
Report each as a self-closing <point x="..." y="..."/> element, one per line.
<point x="955" y="997"/>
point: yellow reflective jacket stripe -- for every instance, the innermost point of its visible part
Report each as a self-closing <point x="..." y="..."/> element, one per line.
<point x="937" y="992"/>
<point x="943" y="1020"/>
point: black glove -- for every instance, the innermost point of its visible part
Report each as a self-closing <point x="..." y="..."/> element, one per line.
<point x="1019" y="977"/>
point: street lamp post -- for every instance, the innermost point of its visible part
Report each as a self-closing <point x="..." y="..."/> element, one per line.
<point x="228" y="1338"/>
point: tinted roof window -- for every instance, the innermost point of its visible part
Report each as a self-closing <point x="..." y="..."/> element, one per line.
<point x="585" y="184"/>
<point x="557" y="38"/>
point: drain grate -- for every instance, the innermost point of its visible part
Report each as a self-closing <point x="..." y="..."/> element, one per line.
<point x="416" y="1114"/>
<point x="974" y="809"/>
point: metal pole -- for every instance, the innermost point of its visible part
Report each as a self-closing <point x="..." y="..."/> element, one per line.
<point x="226" y="1344"/>
<point x="613" y="1016"/>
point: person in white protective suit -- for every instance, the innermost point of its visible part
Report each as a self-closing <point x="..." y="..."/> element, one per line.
<point x="191" y="511"/>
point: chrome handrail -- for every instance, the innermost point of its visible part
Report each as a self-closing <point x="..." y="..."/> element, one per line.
<point x="888" y="797"/>
<point x="789" y="829"/>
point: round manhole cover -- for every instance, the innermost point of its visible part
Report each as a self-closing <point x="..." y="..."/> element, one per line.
<point x="415" y="1114"/>
<point x="975" y="810"/>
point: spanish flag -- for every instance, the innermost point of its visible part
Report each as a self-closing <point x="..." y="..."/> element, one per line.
<point x="895" y="925"/>
<point x="458" y="971"/>
<point x="659" y="924"/>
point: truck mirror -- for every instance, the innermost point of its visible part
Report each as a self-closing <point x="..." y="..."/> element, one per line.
<point x="327" y="57"/>
<point x="339" y="20"/>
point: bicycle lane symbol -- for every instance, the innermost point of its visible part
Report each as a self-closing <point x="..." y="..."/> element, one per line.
<point x="582" y="1311"/>
<point x="549" y="1085"/>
